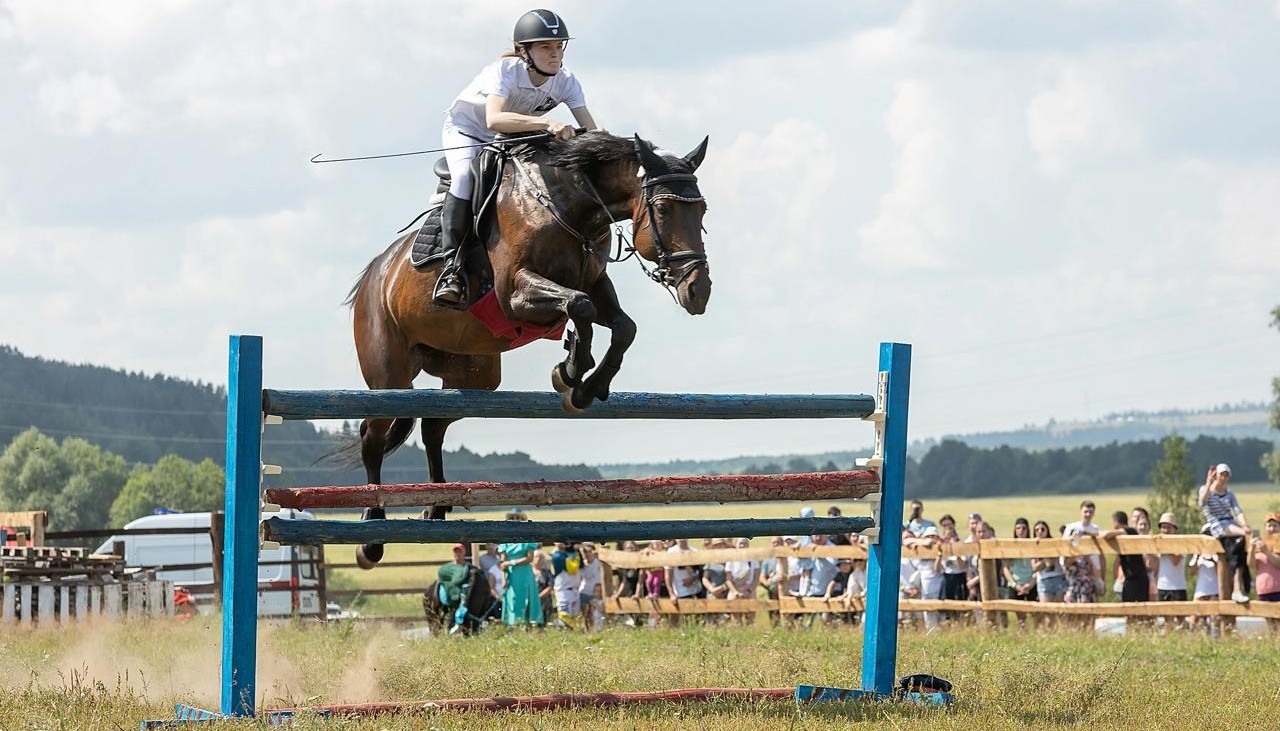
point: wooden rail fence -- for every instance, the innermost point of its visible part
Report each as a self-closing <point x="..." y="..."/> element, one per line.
<point x="986" y="552"/>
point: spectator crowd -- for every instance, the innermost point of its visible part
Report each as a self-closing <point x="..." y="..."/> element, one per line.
<point x="567" y="588"/>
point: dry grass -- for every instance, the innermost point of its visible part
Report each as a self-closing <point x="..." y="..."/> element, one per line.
<point x="111" y="676"/>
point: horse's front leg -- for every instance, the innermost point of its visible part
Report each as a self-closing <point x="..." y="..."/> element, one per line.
<point x="622" y="331"/>
<point x="539" y="300"/>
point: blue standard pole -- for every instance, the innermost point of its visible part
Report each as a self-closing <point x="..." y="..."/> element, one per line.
<point x="880" y="633"/>
<point x="240" y="541"/>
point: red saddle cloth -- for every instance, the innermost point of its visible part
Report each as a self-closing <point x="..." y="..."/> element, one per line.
<point x="488" y="312"/>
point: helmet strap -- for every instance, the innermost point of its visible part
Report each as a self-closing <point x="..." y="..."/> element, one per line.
<point x="527" y="57"/>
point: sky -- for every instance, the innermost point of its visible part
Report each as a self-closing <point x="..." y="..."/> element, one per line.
<point x="1069" y="208"/>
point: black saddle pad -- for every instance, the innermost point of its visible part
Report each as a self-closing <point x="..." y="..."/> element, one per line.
<point x="426" y="242"/>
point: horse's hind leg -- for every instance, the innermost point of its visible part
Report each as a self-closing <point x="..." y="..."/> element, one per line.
<point x="386" y="361"/>
<point x="454" y="371"/>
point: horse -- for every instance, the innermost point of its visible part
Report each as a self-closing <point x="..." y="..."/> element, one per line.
<point x="548" y="245"/>
<point x="480" y="603"/>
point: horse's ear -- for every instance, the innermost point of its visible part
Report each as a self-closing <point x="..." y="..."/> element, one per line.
<point x="648" y="158"/>
<point x="695" y="158"/>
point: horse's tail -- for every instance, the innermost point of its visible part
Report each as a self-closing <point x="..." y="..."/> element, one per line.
<point x="350" y="301"/>
<point x="347" y="454"/>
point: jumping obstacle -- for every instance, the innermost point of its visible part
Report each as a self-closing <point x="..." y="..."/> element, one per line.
<point x="250" y="408"/>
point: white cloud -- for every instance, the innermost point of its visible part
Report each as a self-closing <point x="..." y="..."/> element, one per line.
<point x="84" y="103"/>
<point x="1079" y="119"/>
<point x="910" y="226"/>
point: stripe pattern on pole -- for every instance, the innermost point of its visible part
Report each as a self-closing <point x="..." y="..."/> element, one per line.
<point x="852" y="484"/>
<point x="460" y="403"/>
<point x="321" y="532"/>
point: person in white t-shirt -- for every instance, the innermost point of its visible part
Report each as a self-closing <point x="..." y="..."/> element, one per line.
<point x="590" y="591"/>
<point x="1171" y="573"/>
<point x="682" y="581"/>
<point x="508" y="96"/>
<point x="1086" y="526"/>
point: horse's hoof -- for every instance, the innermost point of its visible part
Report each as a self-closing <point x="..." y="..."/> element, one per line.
<point x="368" y="555"/>
<point x="566" y="403"/>
<point x="558" y="380"/>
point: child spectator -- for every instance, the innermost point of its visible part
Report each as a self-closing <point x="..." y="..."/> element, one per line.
<point x="1207" y="588"/>
<point x="565" y="562"/>
<point x="546" y="592"/>
<point x="591" y="589"/>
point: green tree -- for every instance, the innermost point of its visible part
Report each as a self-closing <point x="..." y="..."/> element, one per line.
<point x="1272" y="461"/>
<point x="75" y="481"/>
<point x="174" y="483"/>
<point x="1174" y="485"/>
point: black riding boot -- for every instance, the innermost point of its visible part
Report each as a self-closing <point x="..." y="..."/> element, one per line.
<point x="451" y="288"/>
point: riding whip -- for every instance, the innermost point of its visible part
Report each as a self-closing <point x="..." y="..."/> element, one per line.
<point x="495" y="141"/>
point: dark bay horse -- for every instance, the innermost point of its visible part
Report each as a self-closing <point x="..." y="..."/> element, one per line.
<point x="548" y="249"/>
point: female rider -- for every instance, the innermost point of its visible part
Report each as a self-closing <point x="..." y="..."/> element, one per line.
<point x="508" y="96"/>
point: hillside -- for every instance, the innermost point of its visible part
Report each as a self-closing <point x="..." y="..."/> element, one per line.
<point x="144" y="417"/>
<point x="1232" y="422"/>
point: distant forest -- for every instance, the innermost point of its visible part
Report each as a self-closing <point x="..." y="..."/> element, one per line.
<point x="955" y="469"/>
<point x="145" y="417"/>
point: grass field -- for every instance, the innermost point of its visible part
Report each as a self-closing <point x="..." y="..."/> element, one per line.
<point x="112" y="676"/>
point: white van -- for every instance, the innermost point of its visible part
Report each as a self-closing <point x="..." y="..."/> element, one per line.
<point x="288" y="583"/>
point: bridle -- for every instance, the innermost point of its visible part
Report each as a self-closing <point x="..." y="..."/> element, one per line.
<point x="673" y="266"/>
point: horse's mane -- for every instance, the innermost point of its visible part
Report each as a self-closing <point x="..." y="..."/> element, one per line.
<point x="587" y="150"/>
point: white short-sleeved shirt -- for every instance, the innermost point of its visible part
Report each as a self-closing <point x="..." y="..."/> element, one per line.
<point x="682" y="576"/>
<point x="589" y="577"/>
<point x="1206" y="576"/>
<point x="509" y="78"/>
<point x="1170" y="577"/>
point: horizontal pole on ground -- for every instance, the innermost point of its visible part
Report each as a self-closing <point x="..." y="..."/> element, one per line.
<point x="538" y="702"/>
<point x="459" y="403"/>
<point x="813" y="605"/>
<point x="695" y="489"/>
<point x="320" y="532"/>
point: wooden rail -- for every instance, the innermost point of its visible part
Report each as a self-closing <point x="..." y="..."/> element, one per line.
<point x="986" y="552"/>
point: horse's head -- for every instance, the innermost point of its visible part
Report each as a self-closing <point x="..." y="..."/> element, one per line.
<point x="668" y="222"/>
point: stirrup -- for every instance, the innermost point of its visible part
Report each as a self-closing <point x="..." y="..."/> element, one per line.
<point x="450" y="291"/>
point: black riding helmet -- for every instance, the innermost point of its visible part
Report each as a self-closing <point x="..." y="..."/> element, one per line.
<point x="538" y="25"/>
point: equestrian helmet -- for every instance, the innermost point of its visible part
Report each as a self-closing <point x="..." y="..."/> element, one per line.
<point x="540" y="25"/>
